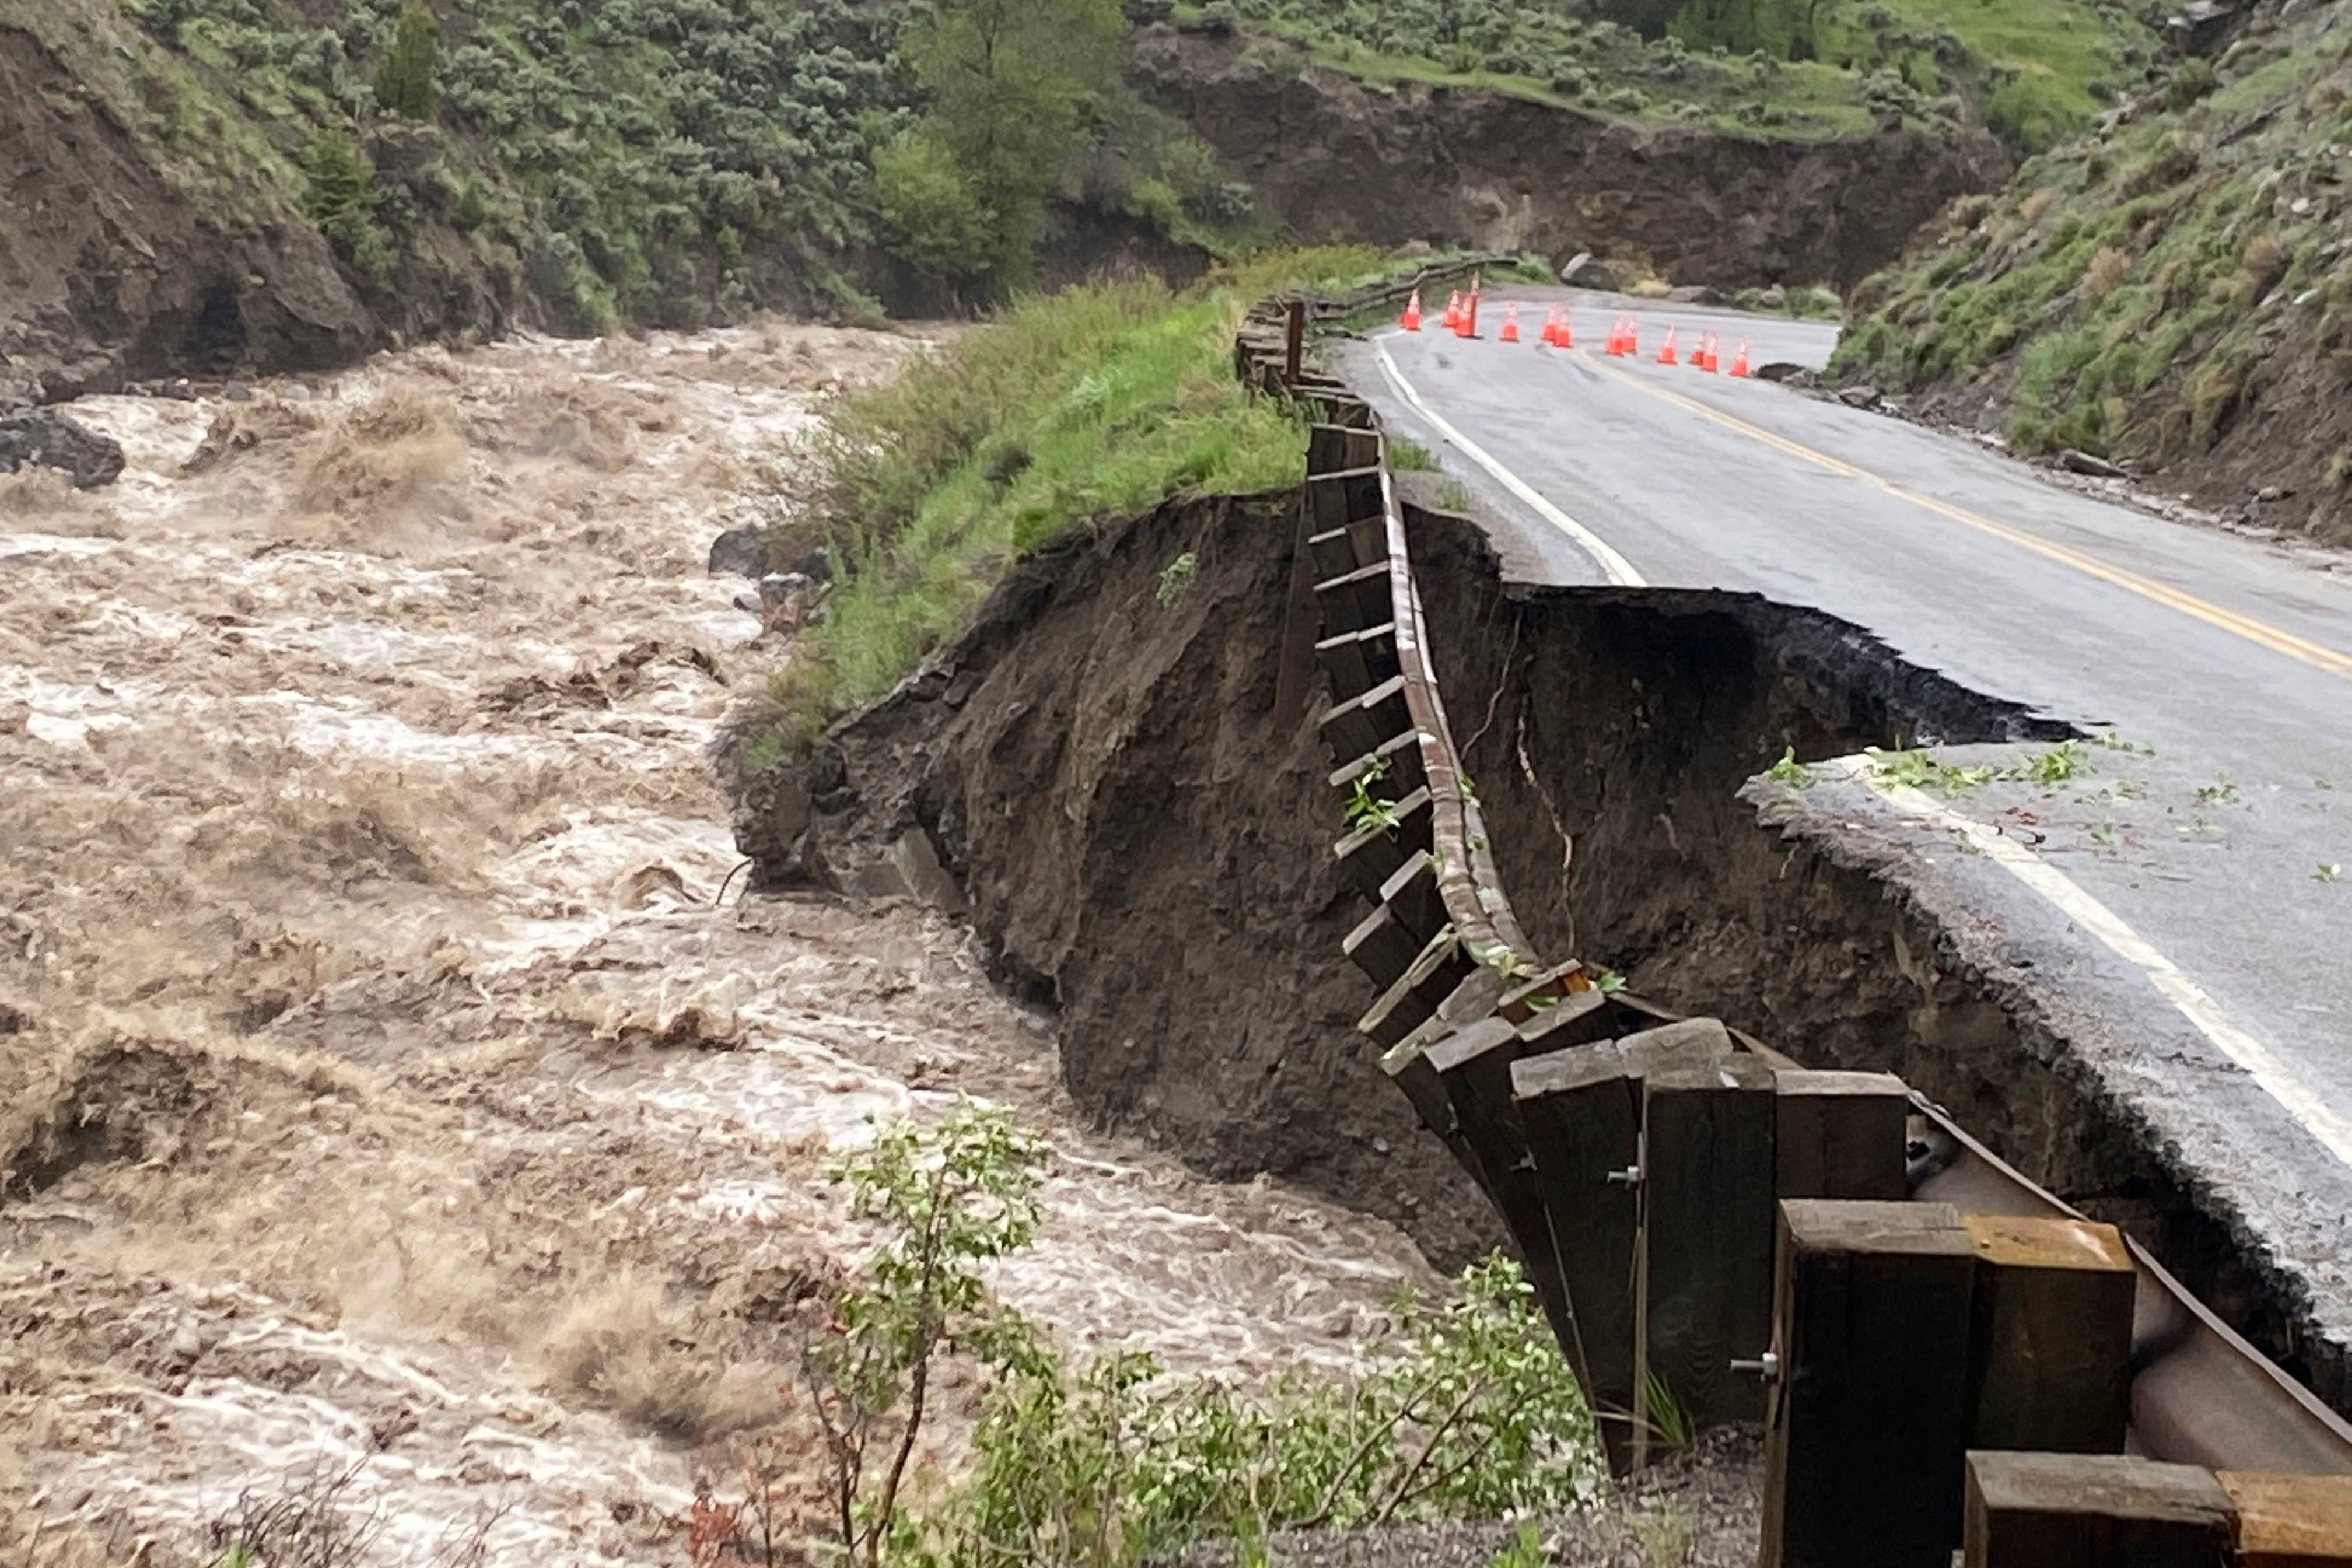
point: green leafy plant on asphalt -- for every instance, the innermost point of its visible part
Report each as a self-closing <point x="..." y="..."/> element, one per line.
<point x="1789" y="771"/>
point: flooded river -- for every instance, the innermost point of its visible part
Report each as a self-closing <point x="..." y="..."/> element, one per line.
<point x="390" y="1101"/>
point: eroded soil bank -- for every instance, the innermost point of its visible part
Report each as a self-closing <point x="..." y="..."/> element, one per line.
<point x="386" y="1088"/>
<point x="1142" y="848"/>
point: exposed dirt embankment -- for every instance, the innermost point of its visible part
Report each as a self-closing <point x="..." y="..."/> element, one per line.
<point x="110" y="271"/>
<point x="1631" y="724"/>
<point x="1141" y="846"/>
<point x="1332" y="158"/>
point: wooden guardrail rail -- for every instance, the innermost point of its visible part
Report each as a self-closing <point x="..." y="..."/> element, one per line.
<point x="1714" y="1232"/>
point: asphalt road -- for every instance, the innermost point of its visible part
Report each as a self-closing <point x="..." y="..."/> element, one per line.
<point x="2183" y="893"/>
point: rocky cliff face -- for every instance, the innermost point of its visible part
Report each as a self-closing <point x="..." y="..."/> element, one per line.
<point x="1333" y="158"/>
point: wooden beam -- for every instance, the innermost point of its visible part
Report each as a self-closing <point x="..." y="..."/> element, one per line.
<point x="2050" y="1354"/>
<point x="2291" y="1521"/>
<point x="1581" y="1109"/>
<point x="2092" y="1510"/>
<point x="1577" y="1020"/>
<point x="1705" y="1264"/>
<point x="1868" y="1427"/>
<point x="1690" y="1042"/>
<point x="1475" y="1066"/>
<point x="1840" y="1134"/>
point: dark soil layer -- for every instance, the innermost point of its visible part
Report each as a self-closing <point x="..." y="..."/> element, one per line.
<point x="1141" y="849"/>
<point x="1334" y="159"/>
<point x="1630" y="725"/>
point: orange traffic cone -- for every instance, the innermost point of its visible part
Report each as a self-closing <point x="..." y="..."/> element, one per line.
<point x="1666" y="349"/>
<point x="1452" y="320"/>
<point x="1510" y="332"/>
<point x="1411" y="319"/>
<point x="1622" y="337"/>
<point x="1467" y="327"/>
<point x="1706" y="355"/>
<point x="1562" y="338"/>
<point x="1740" y="359"/>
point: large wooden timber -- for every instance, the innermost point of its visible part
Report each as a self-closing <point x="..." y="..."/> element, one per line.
<point x="2093" y="1511"/>
<point x="2050" y="1354"/>
<point x="1868" y="1429"/>
<point x="1840" y="1134"/>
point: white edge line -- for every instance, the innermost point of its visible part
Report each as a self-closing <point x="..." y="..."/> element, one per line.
<point x="1613" y="566"/>
<point x="2277" y="1079"/>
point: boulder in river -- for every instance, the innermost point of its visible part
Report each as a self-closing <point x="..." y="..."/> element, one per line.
<point x="742" y="552"/>
<point x="44" y="437"/>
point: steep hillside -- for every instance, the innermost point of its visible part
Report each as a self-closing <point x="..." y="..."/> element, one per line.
<point x="1332" y="155"/>
<point x="2169" y="292"/>
<point x="217" y="185"/>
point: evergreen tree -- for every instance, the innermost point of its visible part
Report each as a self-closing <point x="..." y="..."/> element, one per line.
<point x="407" y="84"/>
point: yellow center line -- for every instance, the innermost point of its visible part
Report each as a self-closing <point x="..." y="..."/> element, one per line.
<point x="2317" y="655"/>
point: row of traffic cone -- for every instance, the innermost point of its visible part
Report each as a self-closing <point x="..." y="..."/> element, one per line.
<point x="1461" y="318"/>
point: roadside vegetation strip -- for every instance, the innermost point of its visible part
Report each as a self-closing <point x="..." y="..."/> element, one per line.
<point x="1084" y="406"/>
<point x="2135" y="294"/>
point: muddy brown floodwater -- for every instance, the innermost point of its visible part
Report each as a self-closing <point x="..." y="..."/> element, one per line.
<point x="385" y="1097"/>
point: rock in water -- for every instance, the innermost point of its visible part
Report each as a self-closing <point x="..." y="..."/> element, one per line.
<point x="743" y="551"/>
<point x="816" y="566"/>
<point x="44" y="437"/>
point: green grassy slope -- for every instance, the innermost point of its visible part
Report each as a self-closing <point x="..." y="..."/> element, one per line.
<point x="2035" y="71"/>
<point x="2173" y="292"/>
<point x="1090" y="405"/>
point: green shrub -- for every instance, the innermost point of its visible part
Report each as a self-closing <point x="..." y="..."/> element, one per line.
<point x="931" y="217"/>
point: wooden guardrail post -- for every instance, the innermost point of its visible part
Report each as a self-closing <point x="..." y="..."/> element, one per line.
<point x="1707" y="1237"/>
<point x="2093" y="1511"/>
<point x="1582" y="1110"/>
<point x="1864" y="1444"/>
<point x="1840" y="1134"/>
<point x="1474" y="1067"/>
<point x="2050" y="1354"/>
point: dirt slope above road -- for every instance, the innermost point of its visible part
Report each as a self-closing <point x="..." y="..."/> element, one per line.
<point x="2169" y="293"/>
<point x="1338" y="160"/>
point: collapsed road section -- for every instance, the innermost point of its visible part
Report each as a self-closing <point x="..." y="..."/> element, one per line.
<point x="1127" y="790"/>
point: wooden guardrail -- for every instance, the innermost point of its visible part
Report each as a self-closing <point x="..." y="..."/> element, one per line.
<point x="1714" y="1232"/>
